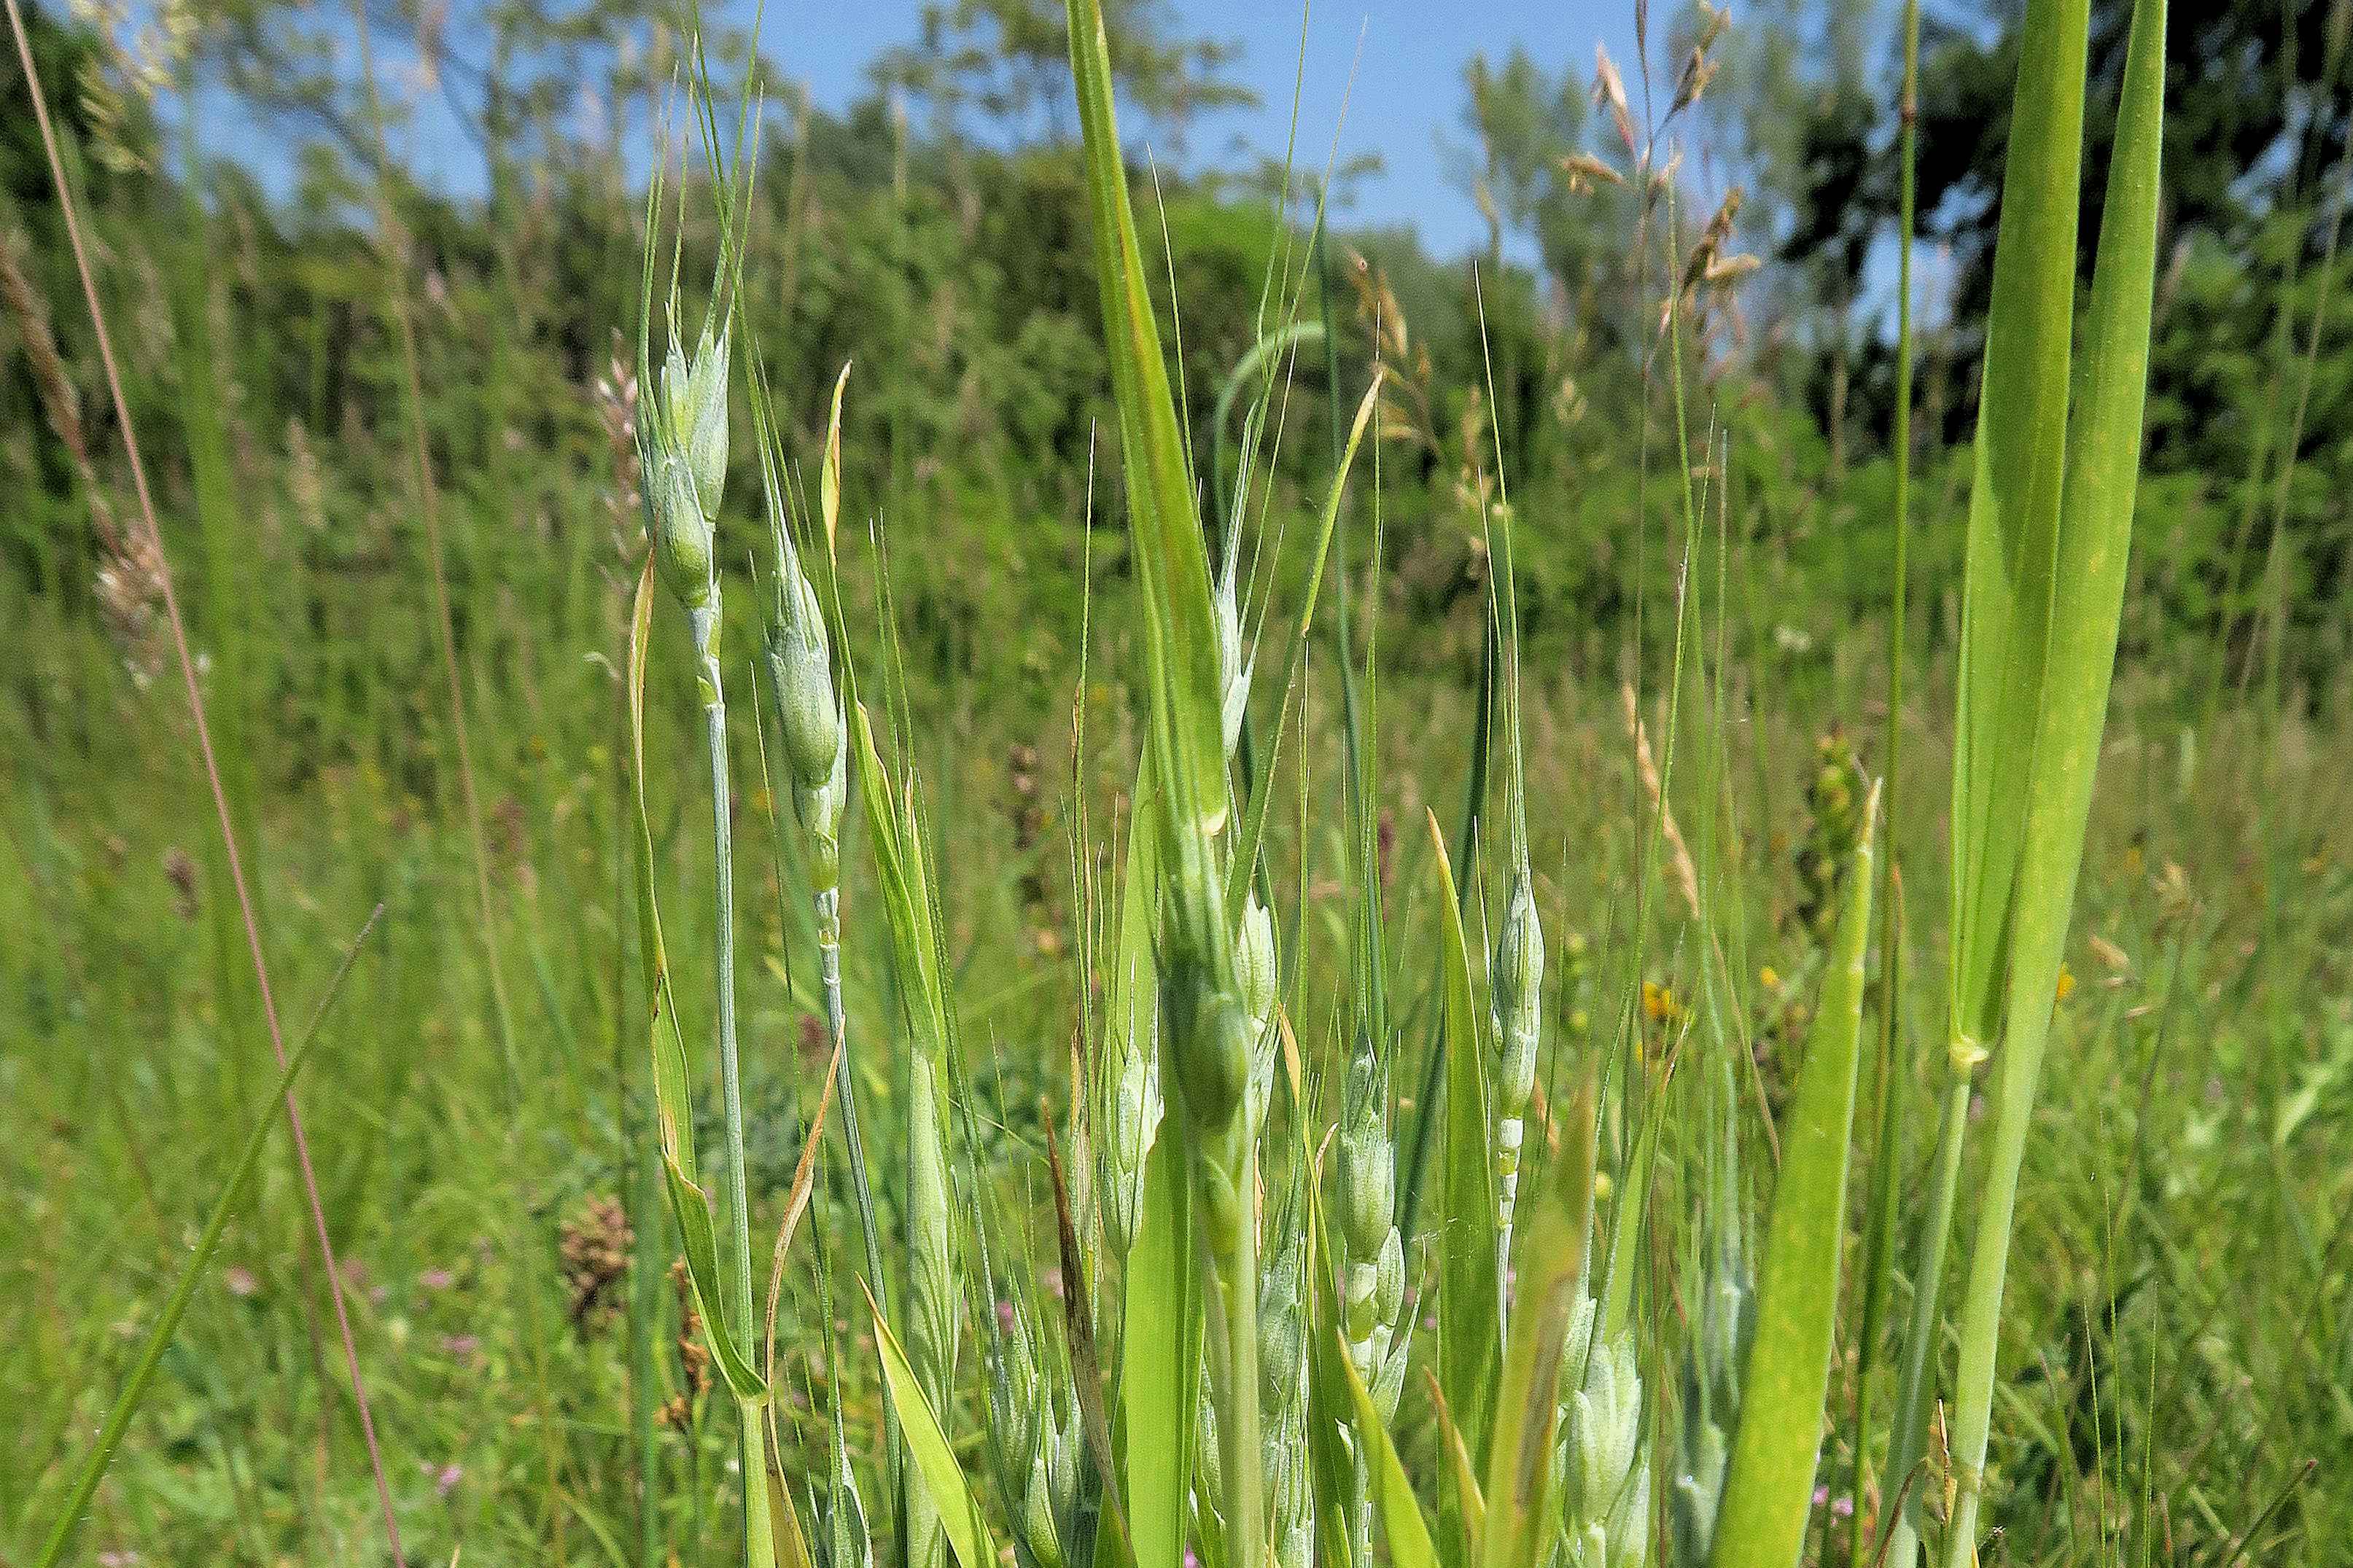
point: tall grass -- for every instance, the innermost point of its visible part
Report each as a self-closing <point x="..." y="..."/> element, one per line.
<point x="1537" y="1383"/>
<point x="224" y="819"/>
<point x="1336" y="1194"/>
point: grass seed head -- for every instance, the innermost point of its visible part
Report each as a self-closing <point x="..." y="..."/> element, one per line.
<point x="800" y="667"/>
<point x="1519" y="996"/>
<point x="699" y="414"/>
<point x="1604" y="1478"/>
<point x="682" y="534"/>
<point x="1282" y="1334"/>
<point x="1129" y="1115"/>
<point x="1389" y="1277"/>
<point x="1033" y="1442"/>
<point x="1368" y="1163"/>
<point x="1208" y="1474"/>
<point x="1050" y="1494"/>
<point x="1255" y="962"/>
<point x="1013" y="1384"/>
<point x="1212" y="1038"/>
<point x="1722" y="1323"/>
<point x="1282" y="1383"/>
<point x="1233" y="665"/>
<point x="819" y="811"/>
<point x="683" y="453"/>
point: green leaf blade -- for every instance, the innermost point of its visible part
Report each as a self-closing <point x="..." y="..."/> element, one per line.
<point x="2014" y="501"/>
<point x="1172" y="557"/>
<point x="1401" y="1517"/>
<point x="1469" y="1305"/>
<point x="1160" y="1354"/>
<point x="1768" y="1487"/>
<point x="959" y="1511"/>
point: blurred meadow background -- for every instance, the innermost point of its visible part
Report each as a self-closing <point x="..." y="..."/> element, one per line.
<point x="373" y="280"/>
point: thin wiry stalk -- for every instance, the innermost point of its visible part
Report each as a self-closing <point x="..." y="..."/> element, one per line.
<point x="1887" y="1151"/>
<point x="704" y="621"/>
<point x="1517" y="969"/>
<point x="641" y="1180"/>
<point x="1908" y="1436"/>
<point x="212" y="765"/>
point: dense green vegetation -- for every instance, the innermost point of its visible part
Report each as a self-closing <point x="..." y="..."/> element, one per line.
<point x="418" y="682"/>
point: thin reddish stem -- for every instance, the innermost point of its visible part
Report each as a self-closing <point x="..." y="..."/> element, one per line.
<point x="212" y="765"/>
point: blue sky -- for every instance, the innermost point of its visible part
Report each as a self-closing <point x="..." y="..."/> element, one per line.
<point x="1406" y="102"/>
<point x="1394" y="64"/>
<point x="1407" y="93"/>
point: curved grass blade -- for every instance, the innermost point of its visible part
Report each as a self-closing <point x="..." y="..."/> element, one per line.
<point x="671" y="1090"/>
<point x="796" y="1202"/>
<point x="1172" y="558"/>
<point x="1401" y="1517"/>
<point x="788" y="1541"/>
<point x="698" y="1235"/>
<point x="175" y="1306"/>
<point x="1470" y="1496"/>
<point x="1769" y="1485"/>
<point x="959" y="1513"/>
<point x="829" y="488"/>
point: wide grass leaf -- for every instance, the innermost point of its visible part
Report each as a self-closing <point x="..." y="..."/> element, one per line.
<point x="2095" y="541"/>
<point x="2085" y="587"/>
<point x="1171" y="556"/>
<point x="2014" y="500"/>
<point x="1161" y="1356"/>
<point x="1769" y="1489"/>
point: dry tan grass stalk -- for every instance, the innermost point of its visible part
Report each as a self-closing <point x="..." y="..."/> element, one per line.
<point x="1686" y="877"/>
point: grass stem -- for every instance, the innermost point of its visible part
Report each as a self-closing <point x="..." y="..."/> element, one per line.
<point x="704" y="621"/>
